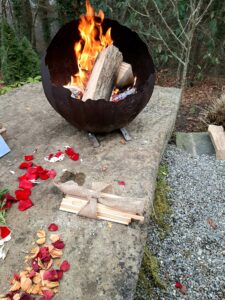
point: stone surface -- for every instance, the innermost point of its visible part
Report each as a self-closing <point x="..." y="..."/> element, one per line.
<point x="195" y="143"/>
<point x="105" y="258"/>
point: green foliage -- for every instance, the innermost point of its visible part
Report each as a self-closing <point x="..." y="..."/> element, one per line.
<point x="161" y="203"/>
<point x="2" y="212"/>
<point x="18" y="60"/>
<point x="9" y="88"/>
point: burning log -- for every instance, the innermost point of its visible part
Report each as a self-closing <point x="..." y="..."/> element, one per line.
<point x="125" y="76"/>
<point x="104" y="74"/>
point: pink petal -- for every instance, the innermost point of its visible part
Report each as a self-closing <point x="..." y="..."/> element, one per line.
<point x="53" y="227"/>
<point x="121" y="182"/>
<point x="51" y="173"/>
<point x="58" y="244"/>
<point x="65" y="266"/>
<point x="51" y="275"/>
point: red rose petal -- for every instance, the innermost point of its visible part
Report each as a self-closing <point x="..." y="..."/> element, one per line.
<point x="60" y="274"/>
<point x="121" y="182"/>
<point x="178" y="285"/>
<point x="35" y="265"/>
<point x="44" y="254"/>
<point x="32" y="170"/>
<point x="7" y="205"/>
<point x="10" y="198"/>
<point x="26" y="297"/>
<point x="50" y="275"/>
<point x="28" y="157"/>
<point x="22" y="194"/>
<point x="25" y="165"/>
<point x="58" y="153"/>
<point x="51" y="173"/>
<point x="65" y="266"/>
<point x="4" y="231"/>
<point x="16" y="276"/>
<point x="25" y="184"/>
<point x="25" y="204"/>
<point x="71" y="153"/>
<point x="58" y="244"/>
<point x="32" y="274"/>
<point x="22" y="177"/>
<point x="47" y="295"/>
<point x="53" y="227"/>
<point x="44" y="175"/>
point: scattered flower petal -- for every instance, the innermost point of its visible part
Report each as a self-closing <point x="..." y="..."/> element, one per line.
<point x="25" y="184"/>
<point x="59" y="244"/>
<point x="53" y="227"/>
<point x="51" y="275"/>
<point x="121" y="182"/>
<point x="178" y="285"/>
<point x="25" y="204"/>
<point x="71" y="153"/>
<point x="4" y="232"/>
<point x="25" y="165"/>
<point x="51" y="173"/>
<point x="22" y="194"/>
<point x="65" y="266"/>
<point x="28" y="157"/>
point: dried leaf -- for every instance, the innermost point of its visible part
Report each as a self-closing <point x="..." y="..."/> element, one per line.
<point x="56" y="253"/>
<point x="212" y="224"/>
<point x="51" y="284"/>
<point x="15" y="286"/>
<point x="41" y="241"/>
<point x="37" y="278"/>
<point x="34" y="252"/>
<point x="41" y="234"/>
<point x="25" y="283"/>
<point x="54" y="237"/>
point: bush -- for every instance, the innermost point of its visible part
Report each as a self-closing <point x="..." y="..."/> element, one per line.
<point x="215" y="113"/>
<point x="18" y="60"/>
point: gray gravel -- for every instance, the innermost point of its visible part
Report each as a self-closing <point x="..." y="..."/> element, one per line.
<point x="194" y="251"/>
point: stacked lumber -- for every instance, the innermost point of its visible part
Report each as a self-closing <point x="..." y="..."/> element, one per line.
<point x="74" y="205"/>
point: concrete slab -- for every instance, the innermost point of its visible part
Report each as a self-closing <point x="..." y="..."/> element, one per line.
<point x="104" y="259"/>
<point x="195" y="143"/>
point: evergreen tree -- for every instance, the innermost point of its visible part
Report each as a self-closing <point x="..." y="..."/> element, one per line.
<point x="18" y="60"/>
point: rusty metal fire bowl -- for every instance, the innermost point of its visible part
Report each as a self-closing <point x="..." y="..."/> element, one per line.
<point x="100" y="115"/>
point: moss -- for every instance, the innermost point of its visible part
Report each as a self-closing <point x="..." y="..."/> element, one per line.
<point x="149" y="272"/>
<point x="148" y="276"/>
<point x="161" y="203"/>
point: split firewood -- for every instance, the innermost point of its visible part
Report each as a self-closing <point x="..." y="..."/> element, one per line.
<point x="76" y="205"/>
<point x="125" y="204"/>
<point x="218" y="139"/>
<point x="103" y="75"/>
<point x="125" y="76"/>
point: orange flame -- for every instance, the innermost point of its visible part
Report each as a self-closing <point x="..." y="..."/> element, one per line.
<point x="92" y="42"/>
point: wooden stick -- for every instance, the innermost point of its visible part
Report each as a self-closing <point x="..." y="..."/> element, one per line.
<point x="103" y="75"/>
<point x="218" y="139"/>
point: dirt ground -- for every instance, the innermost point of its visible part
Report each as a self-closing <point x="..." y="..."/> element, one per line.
<point x="197" y="96"/>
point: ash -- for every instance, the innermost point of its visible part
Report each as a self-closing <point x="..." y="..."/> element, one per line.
<point x="193" y="253"/>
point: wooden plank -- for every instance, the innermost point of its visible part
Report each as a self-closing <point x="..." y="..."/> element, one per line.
<point x="103" y="75"/>
<point x="218" y="139"/>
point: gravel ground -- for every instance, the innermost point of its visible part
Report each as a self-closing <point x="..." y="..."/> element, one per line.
<point x="193" y="253"/>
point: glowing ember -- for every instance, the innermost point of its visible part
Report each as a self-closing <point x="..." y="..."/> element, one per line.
<point x="92" y="42"/>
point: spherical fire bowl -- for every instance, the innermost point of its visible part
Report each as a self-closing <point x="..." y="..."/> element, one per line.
<point x="100" y="115"/>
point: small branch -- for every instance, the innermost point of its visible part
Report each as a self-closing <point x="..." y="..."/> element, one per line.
<point x="204" y="12"/>
<point x="167" y="26"/>
<point x="168" y="48"/>
<point x="138" y="12"/>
